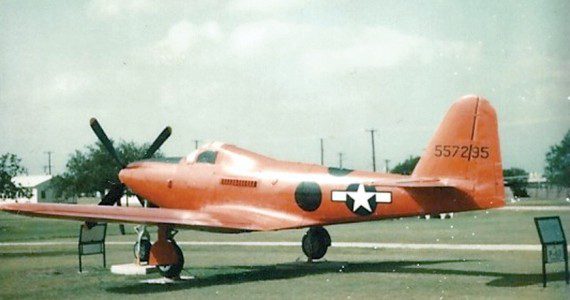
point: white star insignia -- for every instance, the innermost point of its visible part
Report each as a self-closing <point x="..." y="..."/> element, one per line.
<point x="361" y="197"/>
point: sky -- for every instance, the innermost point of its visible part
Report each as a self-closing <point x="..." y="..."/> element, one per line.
<point x="276" y="76"/>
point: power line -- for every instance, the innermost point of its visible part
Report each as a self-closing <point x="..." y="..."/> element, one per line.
<point x="373" y="149"/>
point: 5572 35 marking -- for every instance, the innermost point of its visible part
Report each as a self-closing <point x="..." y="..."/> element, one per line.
<point x="467" y="152"/>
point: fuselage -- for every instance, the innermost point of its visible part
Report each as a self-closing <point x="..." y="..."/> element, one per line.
<point x="221" y="175"/>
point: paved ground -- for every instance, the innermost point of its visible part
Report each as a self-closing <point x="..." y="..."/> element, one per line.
<point x="401" y="246"/>
<point x="537" y="208"/>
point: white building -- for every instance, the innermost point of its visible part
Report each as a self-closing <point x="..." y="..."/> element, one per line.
<point x="40" y="186"/>
<point x="535" y="177"/>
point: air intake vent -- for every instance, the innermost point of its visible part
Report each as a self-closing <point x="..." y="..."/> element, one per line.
<point x="239" y="182"/>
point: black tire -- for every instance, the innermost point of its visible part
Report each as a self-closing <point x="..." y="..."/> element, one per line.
<point x="316" y="242"/>
<point x="143" y="251"/>
<point x="172" y="271"/>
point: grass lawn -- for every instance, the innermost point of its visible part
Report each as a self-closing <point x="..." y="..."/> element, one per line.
<point x="279" y="272"/>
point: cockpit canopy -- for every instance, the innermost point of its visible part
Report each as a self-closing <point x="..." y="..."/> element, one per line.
<point x="207" y="154"/>
<point x="232" y="156"/>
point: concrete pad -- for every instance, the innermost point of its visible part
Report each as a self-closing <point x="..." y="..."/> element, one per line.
<point x="132" y="269"/>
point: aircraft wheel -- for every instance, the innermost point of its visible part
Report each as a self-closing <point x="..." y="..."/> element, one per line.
<point x="316" y="242"/>
<point x="142" y="250"/>
<point x="173" y="271"/>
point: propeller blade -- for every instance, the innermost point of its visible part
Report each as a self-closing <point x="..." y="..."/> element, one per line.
<point x="121" y="226"/>
<point x="114" y="195"/>
<point x="141" y="200"/>
<point x="160" y="139"/>
<point x="105" y="140"/>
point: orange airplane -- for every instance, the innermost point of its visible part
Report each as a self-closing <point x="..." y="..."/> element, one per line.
<point x="223" y="188"/>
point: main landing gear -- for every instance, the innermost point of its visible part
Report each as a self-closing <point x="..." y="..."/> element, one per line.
<point x="316" y="242"/>
<point x="173" y="270"/>
<point x="165" y="254"/>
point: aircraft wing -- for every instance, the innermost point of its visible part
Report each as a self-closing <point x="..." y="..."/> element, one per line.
<point x="220" y="218"/>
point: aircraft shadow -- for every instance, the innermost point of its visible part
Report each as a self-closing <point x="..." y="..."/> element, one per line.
<point x="245" y="274"/>
<point x="37" y="253"/>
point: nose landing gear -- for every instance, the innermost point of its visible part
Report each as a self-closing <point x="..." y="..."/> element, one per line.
<point x="142" y="246"/>
<point x="316" y="242"/>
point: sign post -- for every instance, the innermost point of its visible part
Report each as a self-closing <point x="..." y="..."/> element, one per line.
<point x="554" y="246"/>
<point x="92" y="241"/>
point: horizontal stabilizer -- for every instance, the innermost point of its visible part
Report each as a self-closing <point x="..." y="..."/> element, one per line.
<point x="414" y="182"/>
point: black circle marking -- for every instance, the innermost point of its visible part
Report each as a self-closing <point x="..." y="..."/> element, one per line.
<point x="361" y="210"/>
<point x="338" y="171"/>
<point x="308" y="196"/>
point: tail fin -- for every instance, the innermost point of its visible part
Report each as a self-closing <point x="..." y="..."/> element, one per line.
<point x="466" y="147"/>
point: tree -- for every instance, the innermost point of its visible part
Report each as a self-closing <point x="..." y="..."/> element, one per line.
<point x="407" y="166"/>
<point x="517" y="180"/>
<point x="557" y="169"/>
<point x="93" y="170"/>
<point x="10" y="167"/>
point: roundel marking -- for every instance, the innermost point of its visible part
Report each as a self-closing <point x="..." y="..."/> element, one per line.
<point x="308" y="195"/>
<point x="360" y="210"/>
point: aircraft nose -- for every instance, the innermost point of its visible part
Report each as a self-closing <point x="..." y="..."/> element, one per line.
<point x="126" y="175"/>
<point x="131" y="174"/>
<point x="149" y="179"/>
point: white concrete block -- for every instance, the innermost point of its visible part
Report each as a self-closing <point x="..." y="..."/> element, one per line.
<point x="132" y="269"/>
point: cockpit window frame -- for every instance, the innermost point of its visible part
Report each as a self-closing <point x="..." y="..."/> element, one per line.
<point x="207" y="157"/>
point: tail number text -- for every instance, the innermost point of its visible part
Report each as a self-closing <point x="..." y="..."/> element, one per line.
<point x="467" y="152"/>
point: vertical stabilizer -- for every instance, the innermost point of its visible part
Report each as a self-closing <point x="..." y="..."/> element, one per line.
<point x="466" y="147"/>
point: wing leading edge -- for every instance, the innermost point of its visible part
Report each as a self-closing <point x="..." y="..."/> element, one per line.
<point x="220" y="218"/>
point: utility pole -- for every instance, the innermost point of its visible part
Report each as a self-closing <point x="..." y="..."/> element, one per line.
<point x="322" y="153"/>
<point x="196" y="144"/>
<point x="340" y="160"/>
<point x="49" y="161"/>
<point x="373" y="150"/>
<point x="387" y="165"/>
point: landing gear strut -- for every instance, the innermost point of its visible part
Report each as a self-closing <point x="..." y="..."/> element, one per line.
<point x="316" y="242"/>
<point x="165" y="253"/>
<point x="142" y="246"/>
